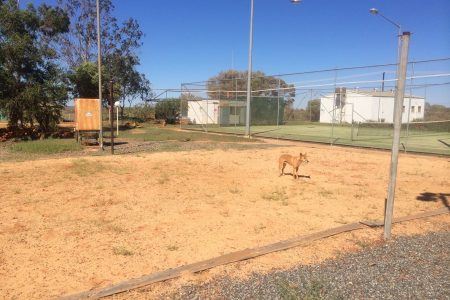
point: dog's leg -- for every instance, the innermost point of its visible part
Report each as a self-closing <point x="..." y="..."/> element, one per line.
<point x="281" y="167"/>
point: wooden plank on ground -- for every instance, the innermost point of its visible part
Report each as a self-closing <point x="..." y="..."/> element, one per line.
<point x="211" y="263"/>
<point x="426" y="214"/>
<point x="238" y="256"/>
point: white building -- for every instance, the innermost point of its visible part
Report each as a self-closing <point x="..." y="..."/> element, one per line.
<point x="203" y="111"/>
<point x="222" y="112"/>
<point x="368" y="106"/>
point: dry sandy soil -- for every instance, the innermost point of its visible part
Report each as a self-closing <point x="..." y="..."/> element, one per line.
<point x="74" y="224"/>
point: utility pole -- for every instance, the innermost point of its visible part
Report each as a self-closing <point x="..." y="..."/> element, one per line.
<point x="249" y="74"/>
<point x="111" y="107"/>
<point x="399" y="96"/>
<point x="99" y="58"/>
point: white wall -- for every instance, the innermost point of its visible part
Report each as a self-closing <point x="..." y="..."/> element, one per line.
<point x="203" y="111"/>
<point x="369" y="108"/>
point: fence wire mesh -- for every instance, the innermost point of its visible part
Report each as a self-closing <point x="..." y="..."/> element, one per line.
<point x="347" y="106"/>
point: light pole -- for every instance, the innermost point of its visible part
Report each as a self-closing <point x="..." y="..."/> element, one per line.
<point x="375" y="11"/>
<point x="249" y="71"/>
<point x="99" y="58"/>
<point x="402" y="58"/>
<point x="249" y="74"/>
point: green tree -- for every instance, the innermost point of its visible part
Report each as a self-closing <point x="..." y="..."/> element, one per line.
<point x="223" y="85"/>
<point x="32" y="86"/>
<point x="313" y="110"/>
<point x="170" y="109"/>
<point x="120" y="43"/>
<point x="84" y="80"/>
<point x="436" y="112"/>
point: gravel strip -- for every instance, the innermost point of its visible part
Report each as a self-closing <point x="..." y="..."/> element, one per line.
<point x="406" y="268"/>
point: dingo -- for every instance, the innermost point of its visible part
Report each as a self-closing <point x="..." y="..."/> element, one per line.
<point x="294" y="161"/>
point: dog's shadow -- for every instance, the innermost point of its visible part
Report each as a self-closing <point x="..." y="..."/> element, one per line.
<point x="300" y="176"/>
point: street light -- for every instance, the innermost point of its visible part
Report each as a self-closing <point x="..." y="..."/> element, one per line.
<point x="249" y="71"/>
<point x="375" y="11"/>
<point x="398" y="103"/>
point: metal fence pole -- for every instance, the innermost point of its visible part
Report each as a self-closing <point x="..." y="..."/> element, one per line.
<point x="399" y="96"/>
<point x="249" y="75"/>
<point x="409" y="108"/>
<point x="278" y="103"/>
<point x="239" y="121"/>
<point x="334" y="110"/>
<point x="352" y="122"/>
<point x="181" y="104"/>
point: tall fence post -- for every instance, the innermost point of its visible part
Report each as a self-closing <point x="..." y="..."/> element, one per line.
<point x="334" y="110"/>
<point x="278" y="103"/>
<point x="409" y="106"/>
<point x="111" y="109"/>
<point x="399" y="96"/>
<point x="352" y="122"/>
<point x="181" y="105"/>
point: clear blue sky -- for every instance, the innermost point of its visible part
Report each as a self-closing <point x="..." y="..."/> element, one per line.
<point x="189" y="41"/>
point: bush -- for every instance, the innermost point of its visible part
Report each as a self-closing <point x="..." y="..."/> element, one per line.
<point x="168" y="110"/>
<point x="141" y="112"/>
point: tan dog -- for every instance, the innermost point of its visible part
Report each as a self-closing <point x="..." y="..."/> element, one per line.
<point x="294" y="161"/>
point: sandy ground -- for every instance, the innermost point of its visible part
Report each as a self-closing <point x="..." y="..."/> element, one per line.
<point x="73" y="224"/>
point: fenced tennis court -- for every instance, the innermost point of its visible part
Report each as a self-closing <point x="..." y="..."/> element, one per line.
<point x="436" y="142"/>
<point x="344" y="106"/>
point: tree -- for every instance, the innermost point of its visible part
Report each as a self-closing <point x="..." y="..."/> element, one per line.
<point x="85" y="80"/>
<point x="32" y="86"/>
<point x="170" y="109"/>
<point x="119" y="47"/>
<point x="223" y="85"/>
<point x="313" y="110"/>
<point x="436" y="112"/>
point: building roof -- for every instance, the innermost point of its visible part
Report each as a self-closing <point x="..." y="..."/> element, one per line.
<point x="381" y="94"/>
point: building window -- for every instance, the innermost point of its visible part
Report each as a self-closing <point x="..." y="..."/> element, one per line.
<point x="412" y="109"/>
<point x="419" y="109"/>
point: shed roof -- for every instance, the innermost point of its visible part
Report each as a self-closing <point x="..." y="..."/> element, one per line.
<point x="381" y="94"/>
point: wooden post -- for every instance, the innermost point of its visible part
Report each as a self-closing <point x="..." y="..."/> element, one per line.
<point x="111" y="109"/>
<point x="399" y="96"/>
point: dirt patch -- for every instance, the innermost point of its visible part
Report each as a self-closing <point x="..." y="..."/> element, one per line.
<point x="84" y="223"/>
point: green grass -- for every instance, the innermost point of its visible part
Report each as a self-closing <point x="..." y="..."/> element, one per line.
<point x="430" y="142"/>
<point x="172" y="133"/>
<point x="50" y="146"/>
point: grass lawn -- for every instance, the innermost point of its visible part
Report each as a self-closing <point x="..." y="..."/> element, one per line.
<point x="170" y="136"/>
<point x="429" y="142"/>
<point x="172" y="133"/>
<point x="50" y="146"/>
